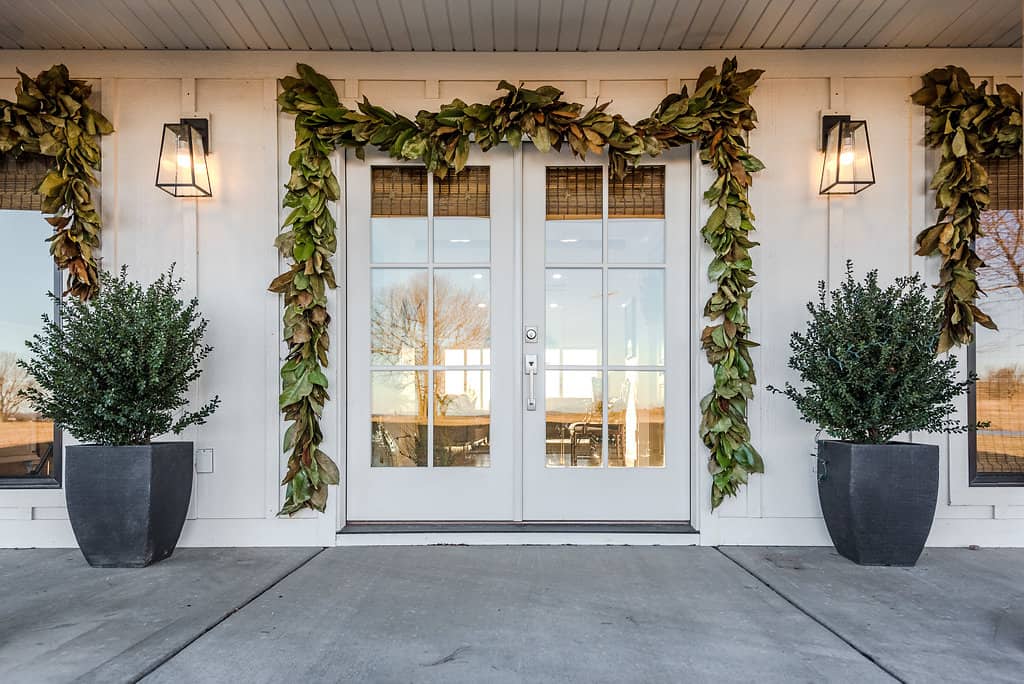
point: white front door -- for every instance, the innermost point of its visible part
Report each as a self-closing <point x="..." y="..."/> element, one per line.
<point x="432" y="354"/>
<point x="605" y="280"/>
<point x="440" y="309"/>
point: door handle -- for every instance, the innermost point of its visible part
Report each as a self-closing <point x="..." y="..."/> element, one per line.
<point x="530" y="369"/>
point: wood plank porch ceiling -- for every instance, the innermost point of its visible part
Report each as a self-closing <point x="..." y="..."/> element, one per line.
<point x="506" y="25"/>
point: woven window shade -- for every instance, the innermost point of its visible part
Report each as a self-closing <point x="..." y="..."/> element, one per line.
<point x="641" y="194"/>
<point x="18" y="181"/>
<point x="573" y="192"/>
<point x="467" y="193"/>
<point x="398" y="191"/>
<point x="1004" y="183"/>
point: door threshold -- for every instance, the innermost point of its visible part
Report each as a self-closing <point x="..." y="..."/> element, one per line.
<point x="517" y="533"/>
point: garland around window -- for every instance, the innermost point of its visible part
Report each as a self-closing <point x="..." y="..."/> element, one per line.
<point x="52" y="117"/>
<point x="717" y="117"/>
<point x="968" y="124"/>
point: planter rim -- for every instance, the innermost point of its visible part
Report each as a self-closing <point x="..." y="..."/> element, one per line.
<point x="870" y="444"/>
<point x="127" y="446"/>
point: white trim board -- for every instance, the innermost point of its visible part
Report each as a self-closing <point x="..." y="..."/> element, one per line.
<point x="445" y="66"/>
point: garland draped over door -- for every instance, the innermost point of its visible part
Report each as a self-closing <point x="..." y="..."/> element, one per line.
<point x="716" y="117"/>
<point x="968" y="125"/>
<point x="51" y="116"/>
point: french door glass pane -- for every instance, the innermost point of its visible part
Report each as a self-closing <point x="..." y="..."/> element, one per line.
<point x="462" y="316"/>
<point x="462" y="421"/>
<point x="573" y="418"/>
<point x="572" y="242"/>
<point x="398" y="419"/>
<point x="462" y="240"/>
<point x="636" y="419"/>
<point x="572" y="316"/>
<point x="398" y="240"/>
<point x="636" y="317"/>
<point x="398" y="317"/>
<point x="636" y="241"/>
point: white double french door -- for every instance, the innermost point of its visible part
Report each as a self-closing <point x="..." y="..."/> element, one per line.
<point x="518" y="340"/>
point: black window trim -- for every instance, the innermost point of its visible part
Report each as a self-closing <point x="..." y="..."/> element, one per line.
<point x="55" y="480"/>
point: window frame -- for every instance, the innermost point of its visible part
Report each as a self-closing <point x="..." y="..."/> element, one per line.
<point x="976" y="479"/>
<point x="55" y="480"/>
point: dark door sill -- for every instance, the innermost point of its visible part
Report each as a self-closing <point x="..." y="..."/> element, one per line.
<point x="368" y="527"/>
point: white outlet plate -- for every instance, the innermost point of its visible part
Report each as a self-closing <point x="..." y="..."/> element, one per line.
<point x="204" y="460"/>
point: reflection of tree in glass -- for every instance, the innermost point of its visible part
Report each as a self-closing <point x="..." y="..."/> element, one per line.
<point x="13" y="379"/>
<point x="462" y="318"/>
<point x="397" y="337"/>
<point x="399" y="319"/>
<point x="1002" y="249"/>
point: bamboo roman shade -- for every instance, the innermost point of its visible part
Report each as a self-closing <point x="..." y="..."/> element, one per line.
<point x="18" y="181"/>
<point x="467" y="193"/>
<point x="398" y="191"/>
<point x="641" y="194"/>
<point x="573" y="192"/>
<point x="1004" y="184"/>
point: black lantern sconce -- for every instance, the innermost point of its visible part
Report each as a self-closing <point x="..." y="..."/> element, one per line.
<point x="183" y="171"/>
<point x="848" y="167"/>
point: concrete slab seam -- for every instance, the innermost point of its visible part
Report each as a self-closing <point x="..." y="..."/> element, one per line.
<point x="270" y="584"/>
<point x="813" y="617"/>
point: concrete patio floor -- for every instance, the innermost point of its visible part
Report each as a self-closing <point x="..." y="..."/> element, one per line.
<point x="512" y="614"/>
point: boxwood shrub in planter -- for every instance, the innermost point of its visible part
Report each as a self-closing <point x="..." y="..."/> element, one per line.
<point x="870" y="373"/>
<point x="114" y="371"/>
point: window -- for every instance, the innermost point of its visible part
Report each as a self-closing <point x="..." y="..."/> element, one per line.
<point x="604" y="322"/>
<point x="430" y="327"/>
<point x="997" y="356"/>
<point x="29" y="445"/>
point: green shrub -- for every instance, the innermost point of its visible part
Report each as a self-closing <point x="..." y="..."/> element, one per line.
<point x="116" y="369"/>
<point x="868" y="362"/>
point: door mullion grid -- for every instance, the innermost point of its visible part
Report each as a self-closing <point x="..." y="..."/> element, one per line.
<point x="605" y="432"/>
<point x="430" y="320"/>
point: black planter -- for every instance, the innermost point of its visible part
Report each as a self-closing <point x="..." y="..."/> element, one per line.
<point x="878" y="499"/>
<point x="127" y="504"/>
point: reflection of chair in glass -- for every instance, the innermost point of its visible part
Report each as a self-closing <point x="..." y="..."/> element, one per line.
<point x="585" y="436"/>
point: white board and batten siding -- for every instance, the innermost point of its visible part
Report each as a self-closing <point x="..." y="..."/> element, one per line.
<point x="224" y="247"/>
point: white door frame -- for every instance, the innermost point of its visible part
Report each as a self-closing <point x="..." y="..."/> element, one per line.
<point x="684" y="278"/>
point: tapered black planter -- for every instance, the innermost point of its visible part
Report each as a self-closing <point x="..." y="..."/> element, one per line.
<point x="127" y="504"/>
<point x="878" y="499"/>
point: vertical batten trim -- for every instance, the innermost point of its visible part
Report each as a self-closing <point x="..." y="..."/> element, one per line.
<point x="273" y="194"/>
<point x="190" y="272"/>
<point x="836" y="210"/>
<point x="109" y="104"/>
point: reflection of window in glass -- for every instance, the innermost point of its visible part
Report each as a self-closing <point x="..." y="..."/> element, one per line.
<point x="430" y="328"/>
<point x="28" y="442"/>
<point x="997" y="452"/>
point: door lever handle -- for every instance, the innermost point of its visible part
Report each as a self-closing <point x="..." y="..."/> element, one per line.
<point x="530" y="370"/>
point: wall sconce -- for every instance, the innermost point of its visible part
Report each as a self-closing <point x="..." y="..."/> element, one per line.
<point x="848" y="167"/>
<point x="182" y="171"/>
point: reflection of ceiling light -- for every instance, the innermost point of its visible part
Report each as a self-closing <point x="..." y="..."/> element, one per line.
<point x="478" y="276"/>
<point x="556" y="276"/>
<point x="553" y="305"/>
<point x="568" y="241"/>
<point x="459" y="241"/>
<point x="481" y="305"/>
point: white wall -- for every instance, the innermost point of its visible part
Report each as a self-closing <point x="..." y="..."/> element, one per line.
<point x="224" y="247"/>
